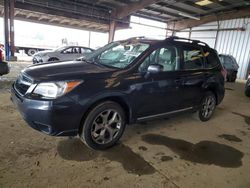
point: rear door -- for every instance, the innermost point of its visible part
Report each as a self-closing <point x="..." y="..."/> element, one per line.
<point x="192" y="75"/>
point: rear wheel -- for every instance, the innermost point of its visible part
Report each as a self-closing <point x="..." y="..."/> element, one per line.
<point x="232" y="77"/>
<point x="103" y="126"/>
<point x="207" y="107"/>
<point x="31" y="52"/>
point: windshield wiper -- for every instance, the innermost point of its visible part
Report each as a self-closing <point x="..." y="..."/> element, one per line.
<point x="92" y="62"/>
<point x="99" y="64"/>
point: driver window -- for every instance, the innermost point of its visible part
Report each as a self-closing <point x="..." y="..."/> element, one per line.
<point x="167" y="57"/>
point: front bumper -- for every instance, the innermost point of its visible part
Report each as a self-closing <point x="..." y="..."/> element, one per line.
<point x="56" y="118"/>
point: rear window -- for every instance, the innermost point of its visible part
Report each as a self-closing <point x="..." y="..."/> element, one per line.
<point x="212" y="58"/>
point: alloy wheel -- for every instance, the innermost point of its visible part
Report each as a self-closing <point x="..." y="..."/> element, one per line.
<point x="208" y="106"/>
<point x="106" y="126"/>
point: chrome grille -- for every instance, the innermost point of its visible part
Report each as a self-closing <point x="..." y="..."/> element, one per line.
<point x="22" y="84"/>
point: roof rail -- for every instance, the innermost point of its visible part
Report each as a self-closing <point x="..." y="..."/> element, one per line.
<point x="189" y="40"/>
<point x="139" y="37"/>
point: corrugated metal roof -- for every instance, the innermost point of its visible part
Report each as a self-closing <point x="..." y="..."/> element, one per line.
<point x="100" y="11"/>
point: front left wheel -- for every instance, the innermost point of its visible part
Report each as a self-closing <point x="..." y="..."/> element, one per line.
<point x="103" y="126"/>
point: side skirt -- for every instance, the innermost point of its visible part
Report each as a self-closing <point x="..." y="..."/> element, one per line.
<point x="165" y="114"/>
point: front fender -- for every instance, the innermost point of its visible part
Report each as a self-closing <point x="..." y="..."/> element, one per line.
<point x="115" y="96"/>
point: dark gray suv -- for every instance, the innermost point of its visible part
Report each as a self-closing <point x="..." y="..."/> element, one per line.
<point x="121" y="83"/>
<point x="231" y="66"/>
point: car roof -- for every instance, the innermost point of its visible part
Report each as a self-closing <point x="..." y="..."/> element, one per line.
<point x="168" y="39"/>
<point x="73" y="46"/>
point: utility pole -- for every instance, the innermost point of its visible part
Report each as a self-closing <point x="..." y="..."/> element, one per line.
<point x="6" y="29"/>
<point x="12" y="34"/>
<point x="9" y="35"/>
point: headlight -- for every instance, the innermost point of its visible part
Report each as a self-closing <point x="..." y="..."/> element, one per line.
<point x="52" y="90"/>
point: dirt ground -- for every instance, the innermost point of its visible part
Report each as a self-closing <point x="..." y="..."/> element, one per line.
<point x="176" y="152"/>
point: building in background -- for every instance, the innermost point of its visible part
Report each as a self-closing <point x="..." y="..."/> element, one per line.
<point x="232" y="38"/>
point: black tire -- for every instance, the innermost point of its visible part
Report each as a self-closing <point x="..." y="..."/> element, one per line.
<point x="202" y="114"/>
<point x="89" y="131"/>
<point x="232" y="77"/>
<point x="229" y="78"/>
<point x="53" y="59"/>
<point x="31" y="52"/>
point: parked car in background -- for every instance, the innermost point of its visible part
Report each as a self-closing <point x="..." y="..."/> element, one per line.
<point x="121" y="83"/>
<point x="231" y="66"/>
<point x="65" y="53"/>
<point x="247" y="89"/>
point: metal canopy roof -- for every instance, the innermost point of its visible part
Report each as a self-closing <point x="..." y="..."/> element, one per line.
<point x="171" y="10"/>
<point x="96" y="14"/>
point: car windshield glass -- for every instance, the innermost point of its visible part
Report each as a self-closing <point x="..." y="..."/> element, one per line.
<point x="60" y="48"/>
<point x="117" y="54"/>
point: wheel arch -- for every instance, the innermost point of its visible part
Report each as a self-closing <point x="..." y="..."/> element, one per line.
<point x="53" y="57"/>
<point x="117" y="98"/>
<point x="213" y="88"/>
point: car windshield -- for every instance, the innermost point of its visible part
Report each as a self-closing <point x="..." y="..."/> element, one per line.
<point x="117" y="54"/>
<point x="60" y="48"/>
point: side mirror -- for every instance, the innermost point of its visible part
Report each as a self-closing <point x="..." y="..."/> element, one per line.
<point x="155" y="68"/>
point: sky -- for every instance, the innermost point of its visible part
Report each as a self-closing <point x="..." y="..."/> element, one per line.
<point x="40" y="35"/>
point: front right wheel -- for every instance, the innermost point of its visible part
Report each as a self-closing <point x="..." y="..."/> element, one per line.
<point x="208" y="106"/>
<point x="103" y="126"/>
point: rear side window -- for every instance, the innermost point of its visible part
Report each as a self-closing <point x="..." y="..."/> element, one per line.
<point x="193" y="58"/>
<point x="212" y="58"/>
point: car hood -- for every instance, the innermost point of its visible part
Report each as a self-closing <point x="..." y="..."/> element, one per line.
<point x="66" y="71"/>
<point x="45" y="52"/>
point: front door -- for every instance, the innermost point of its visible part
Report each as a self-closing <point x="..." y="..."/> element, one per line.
<point x="158" y="93"/>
